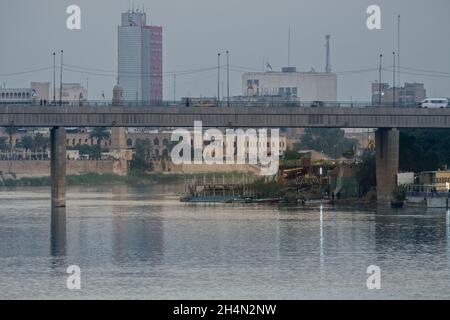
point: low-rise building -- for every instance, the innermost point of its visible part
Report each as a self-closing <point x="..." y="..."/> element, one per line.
<point x="438" y="180"/>
<point x="291" y="85"/>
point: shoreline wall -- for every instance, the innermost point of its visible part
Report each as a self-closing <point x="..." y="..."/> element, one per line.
<point x="41" y="168"/>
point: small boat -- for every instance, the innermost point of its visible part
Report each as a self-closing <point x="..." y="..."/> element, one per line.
<point x="397" y="204"/>
<point x="267" y="201"/>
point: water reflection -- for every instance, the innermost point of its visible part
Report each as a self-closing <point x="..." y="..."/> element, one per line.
<point x="136" y="238"/>
<point x="418" y="228"/>
<point x="322" y="262"/>
<point x="58" y="237"/>
<point x="141" y="243"/>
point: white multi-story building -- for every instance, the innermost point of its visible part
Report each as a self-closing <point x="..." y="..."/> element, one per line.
<point x="290" y="84"/>
<point x="140" y="58"/>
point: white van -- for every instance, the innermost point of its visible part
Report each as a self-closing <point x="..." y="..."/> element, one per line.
<point x="434" y="103"/>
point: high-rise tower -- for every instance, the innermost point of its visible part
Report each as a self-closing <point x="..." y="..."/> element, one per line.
<point x="140" y="59"/>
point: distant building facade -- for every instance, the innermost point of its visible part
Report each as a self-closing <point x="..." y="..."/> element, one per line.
<point x="140" y="58"/>
<point x="42" y="93"/>
<point x="410" y="93"/>
<point x="16" y="95"/>
<point x="291" y="85"/>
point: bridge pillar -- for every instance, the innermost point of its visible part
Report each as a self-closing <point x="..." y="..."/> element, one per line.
<point x="58" y="166"/>
<point x="387" y="159"/>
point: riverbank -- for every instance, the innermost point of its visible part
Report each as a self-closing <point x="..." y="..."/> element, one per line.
<point x="94" y="179"/>
<point x="91" y="179"/>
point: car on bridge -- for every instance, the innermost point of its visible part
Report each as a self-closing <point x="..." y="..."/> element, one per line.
<point x="434" y="103"/>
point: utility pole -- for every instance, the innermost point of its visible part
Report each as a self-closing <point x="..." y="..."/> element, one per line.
<point x="218" y="79"/>
<point x="61" y="78"/>
<point x="174" y="87"/>
<point x="398" y="51"/>
<point x="393" y="98"/>
<point x="379" y="91"/>
<point x="54" y="78"/>
<point x="228" y="80"/>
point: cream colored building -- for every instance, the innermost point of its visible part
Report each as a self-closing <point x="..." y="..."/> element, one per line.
<point x="290" y="84"/>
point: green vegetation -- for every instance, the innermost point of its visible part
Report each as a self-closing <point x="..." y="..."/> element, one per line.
<point x="424" y="149"/>
<point x="267" y="189"/>
<point x="400" y="193"/>
<point x="92" y="179"/>
<point x="332" y="142"/>
<point x="366" y="173"/>
<point x="141" y="161"/>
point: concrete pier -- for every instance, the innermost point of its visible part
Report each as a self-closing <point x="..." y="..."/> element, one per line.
<point x="58" y="166"/>
<point x="58" y="236"/>
<point x="387" y="161"/>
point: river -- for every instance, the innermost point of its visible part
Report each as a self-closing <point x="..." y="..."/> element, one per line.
<point x="142" y="243"/>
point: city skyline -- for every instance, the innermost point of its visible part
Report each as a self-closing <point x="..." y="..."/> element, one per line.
<point x="193" y="37"/>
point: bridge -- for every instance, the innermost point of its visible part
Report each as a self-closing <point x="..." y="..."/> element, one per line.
<point x="386" y="119"/>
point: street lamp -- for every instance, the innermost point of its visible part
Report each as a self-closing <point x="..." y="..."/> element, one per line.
<point x="393" y="98"/>
<point x="228" y="80"/>
<point x="54" y="78"/>
<point x="379" y="91"/>
<point x="218" y="79"/>
<point x="61" y="78"/>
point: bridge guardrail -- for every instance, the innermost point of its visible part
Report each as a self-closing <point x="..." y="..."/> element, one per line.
<point x="234" y="104"/>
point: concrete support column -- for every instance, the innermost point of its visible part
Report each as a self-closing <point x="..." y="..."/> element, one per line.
<point x="387" y="149"/>
<point x="58" y="166"/>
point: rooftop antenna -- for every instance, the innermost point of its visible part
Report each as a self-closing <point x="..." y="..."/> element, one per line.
<point x="289" y="46"/>
<point x="328" y="65"/>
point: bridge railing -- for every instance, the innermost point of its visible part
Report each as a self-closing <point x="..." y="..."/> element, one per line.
<point x="166" y="103"/>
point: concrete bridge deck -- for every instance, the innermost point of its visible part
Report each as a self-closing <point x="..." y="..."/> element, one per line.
<point x="386" y="119"/>
<point x="256" y="117"/>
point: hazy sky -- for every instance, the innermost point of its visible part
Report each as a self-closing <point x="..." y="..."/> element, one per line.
<point x="252" y="30"/>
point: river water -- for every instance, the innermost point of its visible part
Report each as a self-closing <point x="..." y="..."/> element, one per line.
<point x="142" y="243"/>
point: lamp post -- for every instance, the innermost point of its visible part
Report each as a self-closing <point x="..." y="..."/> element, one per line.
<point x="379" y="91"/>
<point x="228" y="80"/>
<point x="393" y="98"/>
<point x="218" y="79"/>
<point x="54" y="78"/>
<point x="61" y="78"/>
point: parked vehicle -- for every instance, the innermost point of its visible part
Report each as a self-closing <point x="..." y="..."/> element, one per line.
<point x="434" y="103"/>
<point x="317" y="104"/>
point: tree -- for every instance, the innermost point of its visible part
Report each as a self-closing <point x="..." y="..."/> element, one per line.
<point x="3" y="144"/>
<point x="424" y="149"/>
<point x="142" y="156"/>
<point x="366" y="173"/>
<point x="332" y="142"/>
<point x="41" y="142"/>
<point x="26" y="142"/>
<point x="11" y="131"/>
<point x="101" y="134"/>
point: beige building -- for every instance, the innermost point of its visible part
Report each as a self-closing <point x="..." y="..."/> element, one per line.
<point x="437" y="179"/>
<point x="410" y="93"/>
<point x="290" y="84"/>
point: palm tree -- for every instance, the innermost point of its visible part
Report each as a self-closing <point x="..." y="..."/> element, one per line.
<point x="11" y="131"/>
<point x="26" y="143"/>
<point x="41" y="142"/>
